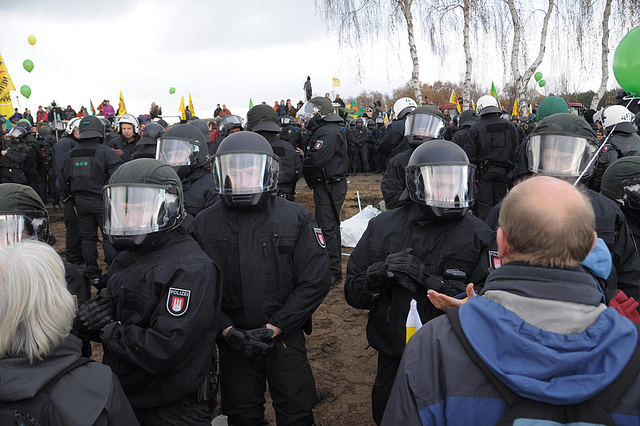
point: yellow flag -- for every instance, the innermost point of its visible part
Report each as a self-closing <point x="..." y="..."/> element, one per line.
<point x="121" y="108"/>
<point x="336" y="82"/>
<point x="454" y="100"/>
<point x="515" y="108"/>
<point x="414" y="323"/>
<point x="181" y="109"/>
<point x="6" y="107"/>
<point x="6" y="83"/>
<point x="193" y="113"/>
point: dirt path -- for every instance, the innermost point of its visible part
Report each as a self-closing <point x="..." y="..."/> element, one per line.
<point x="342" y="364"/>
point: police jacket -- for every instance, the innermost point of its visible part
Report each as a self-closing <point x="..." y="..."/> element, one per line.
<point x="126" y="147"/>
<point x="292" y="134"/>
<point x="61" y="151"/>
<point x="89" y="166"/>
<point x="290" y="163"/>
<point x="358" y="136"/>
<point x="392" y="142"/>
<point x="456" y="251"/>
<point x="12" y="162"/>
<point x="394" y="180"/>
<point x="165" y="302"/>
<point x="563" y="361"/>
<point x="492" y="140"/>
<point x="621" y="144"/>
<point x="87" y="395"/>
<point x="611" y="226"/>
<point x="198" y="190"/>
<point x="459" y="136"/>
<point x="326" y="155"/>
<point x="274" y="263"/>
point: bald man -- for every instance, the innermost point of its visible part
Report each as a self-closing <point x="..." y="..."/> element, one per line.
<point x="539" y="325"/>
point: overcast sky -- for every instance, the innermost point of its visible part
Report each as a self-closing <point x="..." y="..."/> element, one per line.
<point x="221" y="51"/>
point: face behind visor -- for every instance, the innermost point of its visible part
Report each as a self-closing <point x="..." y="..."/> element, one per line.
<point x="559" y="155"/>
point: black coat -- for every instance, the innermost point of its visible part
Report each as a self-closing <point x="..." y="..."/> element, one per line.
<point x="492" y="140"/>
<point x="326" y="154"/>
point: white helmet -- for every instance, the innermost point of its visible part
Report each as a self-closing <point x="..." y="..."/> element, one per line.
<point x="487" y="104"/>
<point x="617" y="114"/>
<point x="128" y="118"/>
<point x="403" y="107"/>
<point x="72" y="125"/>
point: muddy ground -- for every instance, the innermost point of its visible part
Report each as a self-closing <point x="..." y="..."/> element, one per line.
<point x="343" y="366"/>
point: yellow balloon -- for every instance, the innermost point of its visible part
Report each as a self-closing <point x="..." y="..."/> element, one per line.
<point x="32" y="40"/>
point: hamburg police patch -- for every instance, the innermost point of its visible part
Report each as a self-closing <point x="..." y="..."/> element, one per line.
<point x="318" y="145"/>
<point x="320" y="237"/>
<point x="494" y="260"/>
<point x="178" y="301"/>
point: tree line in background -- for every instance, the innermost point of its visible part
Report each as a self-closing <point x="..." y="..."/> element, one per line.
<point x="518" y="32"/>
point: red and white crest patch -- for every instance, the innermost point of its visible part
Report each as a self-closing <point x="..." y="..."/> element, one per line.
<point x="178" y="301"/>
<point x="320" y="237"/>
<point x="494" y="260"/>
<point x="606" y="148"/>
<point x="318" y="145"/>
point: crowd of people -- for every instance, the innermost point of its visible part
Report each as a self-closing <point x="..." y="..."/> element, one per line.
<point x="527" y="239"/>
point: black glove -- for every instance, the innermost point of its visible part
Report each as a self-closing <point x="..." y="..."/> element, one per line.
<point x="95" y="313"/>
<point x="252" y="344"/>
<point x="408" y="269"/>
<point x="376" y="277"/>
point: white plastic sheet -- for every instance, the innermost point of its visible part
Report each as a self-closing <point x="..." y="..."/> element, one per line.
<point x="351" y="230"/>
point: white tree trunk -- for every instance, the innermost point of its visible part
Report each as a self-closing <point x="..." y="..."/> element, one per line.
<point x="466" y="88"/>
<point x="605" y="56"/>
<point x="405" y="7"/>
<point x="522" y="80"/>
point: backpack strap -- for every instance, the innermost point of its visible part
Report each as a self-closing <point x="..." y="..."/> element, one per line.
<point x="507" y="394"/>
<point x="610" y="396"/>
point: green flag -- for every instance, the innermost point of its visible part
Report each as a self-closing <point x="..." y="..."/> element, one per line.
<point x="494" y="92"/>
<point x="93" y="110"/>
<point x="250" y="103"/>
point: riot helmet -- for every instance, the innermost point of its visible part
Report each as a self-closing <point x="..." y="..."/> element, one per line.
<point x="618" y="116"/>
<point x="315" y="110"/>
<point x="286" y="120"/>
<point x="142" y="202"/>
<point x="90" y="127"/>
<point x="23" y="215"/>
<point x="73" y="125"/>
<point x="202" y="126"/>
<point x="127" y="119"/>
<point x="25" y="124"/>
<point x="262" y="118"/>
<point x="359" y="122"/>
<point x="403" y="107"/>
<point x="425" y="123"/>
<point x="245" y="171"/>
<point x="151" y="133"/>
<point x="379" y="121"/>
<point x="230" y="124"/>
<point x="108" y="126"/>
<point x="561" y="145"/>
<point x="487" y="104"/>
<point x="17" y="133"/>
<point x="440" y="177"/>
<point x="371" y="124"/>
<point x="468" y="118"/>
<point x="184" y="148"/>
<point x="621" y="182"/>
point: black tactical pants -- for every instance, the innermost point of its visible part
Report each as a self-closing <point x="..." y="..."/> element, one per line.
<point x="90" y="210"/>
<point x="387" y="369"/>
<point x="327" y="220"/>
<point x="492" y="188"/>
<point x="73" y="247"/>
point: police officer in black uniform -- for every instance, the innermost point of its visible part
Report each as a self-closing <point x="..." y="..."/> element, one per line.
<point x="86" y="170"/>
<point x="325" y="168"/>
<point x="561" y="145"/>
<point x="124" y="144"/>
<point x="185" y="148"/>
<point x="491" y="145"/>
<point x="621" y="183"/>
<point x="431" y="242"/>
<point x="263" y="120"/>
<point x="276" y="271"/>
<point x="228" y="126"/>
<point x="33" y="160"/>
<point x="425" y="123"/>
<point x="290" y="131"/>
<point x="392" y="141"/>
<point x="358" y="139"/>
<point x="14" y="154"/>
<point x="467" y="119"/>
<point x="157" y="317"/>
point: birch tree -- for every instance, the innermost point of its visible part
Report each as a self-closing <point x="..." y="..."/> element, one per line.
<point x="357" y="19"/>
<point x="605" y="56"/>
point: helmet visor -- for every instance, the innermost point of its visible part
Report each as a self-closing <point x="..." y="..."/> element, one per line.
<point x="631" y="195"/>
<point x="424" y="126"/>
<point x="559" y="155"/>
<point x="177" y="152"/>
<point x="445" y="185"/>
<point x="231" y="122"/>
<point x="16" y="132"/>
<point x="137" y="210"/>
<point x="245" y="173"/>
<point x="16" y="227"/>
<point x="308" y="110"/>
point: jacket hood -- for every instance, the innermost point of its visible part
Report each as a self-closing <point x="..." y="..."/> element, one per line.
<point x="543" y="365"/>
<point x="20" y="379"/>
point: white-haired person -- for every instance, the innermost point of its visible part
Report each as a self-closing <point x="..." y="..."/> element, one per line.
<point x="39" y="356"/>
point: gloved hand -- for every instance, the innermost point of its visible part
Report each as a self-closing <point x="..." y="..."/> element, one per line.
<point x="376" y="277"/>
<point x="408" y="269"/>
<point x="95" y="313"/>
<point x="252" y="344"/>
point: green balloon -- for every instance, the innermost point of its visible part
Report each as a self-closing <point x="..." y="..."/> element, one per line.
<point x="28" y="65"/>
<point x="626" y="62"/>
<point x="541" y="83"/>
<point x="26" y="91"/>
<point x="172" y="90"/>
<point x="538" y="76"/>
